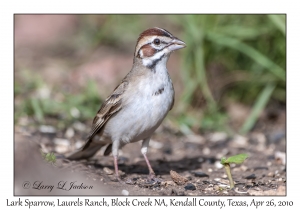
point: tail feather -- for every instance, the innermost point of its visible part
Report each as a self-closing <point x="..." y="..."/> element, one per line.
<point x="108" y="150"/>
<point x="87" y="151"/>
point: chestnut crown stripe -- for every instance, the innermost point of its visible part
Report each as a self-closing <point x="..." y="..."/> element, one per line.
<point x="155" y="32"/>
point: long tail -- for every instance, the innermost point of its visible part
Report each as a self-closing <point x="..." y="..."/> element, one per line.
<point x="88" y="151"/>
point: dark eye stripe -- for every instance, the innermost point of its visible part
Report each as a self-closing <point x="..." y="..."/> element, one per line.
<point x="149" y="51"/>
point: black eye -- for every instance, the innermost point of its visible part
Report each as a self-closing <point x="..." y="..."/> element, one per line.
<point x="156" y="41"/>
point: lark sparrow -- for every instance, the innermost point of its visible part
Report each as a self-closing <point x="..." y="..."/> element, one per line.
<point x="139" y="104"/>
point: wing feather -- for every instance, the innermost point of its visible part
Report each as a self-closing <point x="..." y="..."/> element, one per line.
<point x="112" y="105"/>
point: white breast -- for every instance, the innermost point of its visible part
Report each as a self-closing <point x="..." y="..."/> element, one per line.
<point x="144" y="110"/>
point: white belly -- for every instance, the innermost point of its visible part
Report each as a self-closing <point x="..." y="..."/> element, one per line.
<point x="139" y="119"/>
<point x="143" y="111"/>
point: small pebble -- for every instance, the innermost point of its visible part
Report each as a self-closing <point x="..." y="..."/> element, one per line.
<point x="78" y="144"/>
<point x="223" y="186"/>
<point x="239" y="141"/>
<point x="190" y="186"/>
<point x="125" y="192"/>
<point x="218" y="165"/>
<point x="108" y="171"/>
<point x="59" y="141"/>
<point x="216" y="187"/>
<point x="205" y="182"/>
<point x="69" y="133"/>
<point x="156" y="144"/>
<point x="61" y="148"/>
<point x="197" y="139"/>
<point x="249" y="185"/>
<point x="218" y="136"/>
<point x="181" y="193"/>
<point x="244" y="168"/>
<point x="261" y="168"/>
<point x="206" y="151"/>
<point x="219" y="155"/>
<point x="200" y="174"/>
<point x="169" y="182"/>
<point x="75" y="112"/>
<point x="223" y="181"/>
<point x="236" y="169"/>
<point x="252" y="176"/>
<point x="47" y="129"/>
<point x="121" y="173"/>
<point x="280" y="157"/>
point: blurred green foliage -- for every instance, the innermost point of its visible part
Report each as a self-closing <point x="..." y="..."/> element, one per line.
<point x="251" y="50"/>
<point x="69" y="107"/>
<point x="251" y="45"/>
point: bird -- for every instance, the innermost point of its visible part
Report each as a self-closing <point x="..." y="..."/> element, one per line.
<point x="138" y="105"/>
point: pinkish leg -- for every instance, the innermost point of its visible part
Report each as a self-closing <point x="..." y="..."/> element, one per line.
<point x="118" y="178"/>
<point x="144" y="150"/>
<point x="151" y="172"/>
<point x="115" y="152"/>
<point x="116" y="167"/>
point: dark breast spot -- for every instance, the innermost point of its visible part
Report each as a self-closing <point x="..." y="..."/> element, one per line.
<point x="159" y="91"/>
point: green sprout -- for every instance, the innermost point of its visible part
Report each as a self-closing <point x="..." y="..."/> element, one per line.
<point x="49" y="157"/>
<point x="237" y="159"/>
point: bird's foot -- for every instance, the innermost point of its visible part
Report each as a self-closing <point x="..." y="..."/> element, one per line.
<point x="153" y="179"/>
<point x="117" y="179"/>
<point x="130" y="181"/>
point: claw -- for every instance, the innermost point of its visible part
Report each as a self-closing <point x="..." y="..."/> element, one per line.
<point x="153" y="178"/>
<point x="129" y="181"/>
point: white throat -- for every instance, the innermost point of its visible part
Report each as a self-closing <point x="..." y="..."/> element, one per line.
<point x="158" y="58"/>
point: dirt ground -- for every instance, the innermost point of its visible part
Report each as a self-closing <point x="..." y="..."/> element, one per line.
<point x="195" y="158"/>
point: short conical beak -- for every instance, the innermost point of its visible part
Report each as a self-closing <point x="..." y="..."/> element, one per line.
<point x="176" y="44"/>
